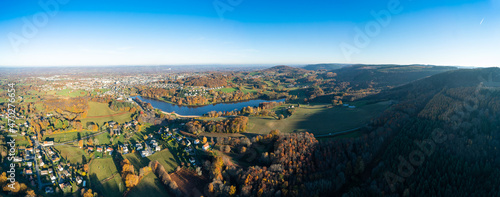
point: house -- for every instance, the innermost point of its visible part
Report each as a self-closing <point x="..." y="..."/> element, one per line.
<point x="64" y="185"/>
<point x="52" y="178"/>
<point x="66" y="173"/>
<point x="192" y="160"/>
<point x="48" y="143"/>
<point x="79" y="179"/>
<point x="197" y="141"/>
<point x="18" y="159"/>
<point x="50" y="170"/>
<point x="179" y="138"/>
<point x="44" y="172"/>
<point x="157" y="148"/>
<point x="138" y="146"/>
<point x="188" y="143"/>
<point x="169" y="133"/>
<point x="90" y="148"/>
<point x="110" y="150"/>
<point x="124" y="148"/>
<point x="205" y="147"/>
<point x="99" y="149"/>
<point x="152" y="141"/>
<point x="29" y="163"/>
<point x="60" y="168"/>
<point x="146" y="153"/>
<point x="30" y="157"/>
<point x="28" y="172"/>
<point x="30" y="149"/>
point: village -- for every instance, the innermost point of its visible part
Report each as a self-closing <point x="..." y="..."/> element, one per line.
<point x="43" y="166"/>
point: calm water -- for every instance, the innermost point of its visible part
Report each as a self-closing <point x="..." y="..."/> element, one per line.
<point x="198" y="111"/>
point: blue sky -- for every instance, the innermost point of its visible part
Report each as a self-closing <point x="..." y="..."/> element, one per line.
<point x="182" y="32"/>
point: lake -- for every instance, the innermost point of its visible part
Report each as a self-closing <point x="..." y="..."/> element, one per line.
<point x="200" y="110"/>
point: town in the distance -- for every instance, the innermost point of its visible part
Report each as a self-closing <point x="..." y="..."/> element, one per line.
<point x="310" y="130"/>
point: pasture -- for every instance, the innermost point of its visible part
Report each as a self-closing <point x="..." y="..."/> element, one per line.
<point x="318" y="119"/>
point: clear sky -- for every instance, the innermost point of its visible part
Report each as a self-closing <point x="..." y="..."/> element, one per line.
<point x="173" y="32"/>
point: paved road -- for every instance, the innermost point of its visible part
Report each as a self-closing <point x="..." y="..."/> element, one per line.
<point x="36" y="166"/>
<point x="338" y="133"/>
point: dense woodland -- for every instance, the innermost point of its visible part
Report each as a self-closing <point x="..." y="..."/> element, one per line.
<point x="440" y="138"/>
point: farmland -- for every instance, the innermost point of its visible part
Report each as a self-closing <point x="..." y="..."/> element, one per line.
<point x="318" y="118"/>
<point x="100" y="172"/>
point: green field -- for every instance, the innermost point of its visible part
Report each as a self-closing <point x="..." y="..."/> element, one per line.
<point x="227" y="90"/>
<point x="318" y="119"/>
<point x="107" y="114"/>
<point x="150" y="185"/>
<point x="72" y="153"/>
<point x="69" y="136"/>
<point x="165" y="158"/>
<point x="100" y="109"/>
<point x="71" y="93"/>
<point x="102" y="169"/>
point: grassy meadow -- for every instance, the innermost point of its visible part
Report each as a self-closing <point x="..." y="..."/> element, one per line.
<point x="318" y="119"/>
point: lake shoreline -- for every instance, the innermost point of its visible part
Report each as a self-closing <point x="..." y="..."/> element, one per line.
<point x="199" y="111"/>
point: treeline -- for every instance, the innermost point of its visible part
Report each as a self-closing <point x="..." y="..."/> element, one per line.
<point x="164" y="177"/>
<point x="290" y="164"/>
<point x="264" y="109"/>
<point x="209" y="81"/>
<point x="122" y="106"/>
<point x="230" y="125"/>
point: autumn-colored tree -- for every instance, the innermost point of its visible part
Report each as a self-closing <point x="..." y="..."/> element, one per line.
<point x="88" y="193"/>
<point x="232" y="190"/>
<point x="30" y="193"/>
<point x="90" y="142"/>
<point x="3" y="178"/>
<point x="204" y="140"/>
<point x="131" y="180"/>
<point x="15" y="188"/>
<point x="211" y="187"/>
<point x="80" y="143"/>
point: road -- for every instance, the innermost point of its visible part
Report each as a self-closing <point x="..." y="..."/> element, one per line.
<point x="36" y="166"/>
<point x="337" y="133"/>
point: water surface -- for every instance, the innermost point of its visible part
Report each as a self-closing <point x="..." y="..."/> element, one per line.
<point x="200" y="110"/>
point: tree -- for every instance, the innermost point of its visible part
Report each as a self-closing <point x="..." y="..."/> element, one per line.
<point x="204" y="140"/>
<point x="30" y="193"/>
<point x="232" y="190"/>
<point x="88" y="193"/>
<point x="3" y="178"/>
<point x="80" y="143"/>
<point x="131" y="180"/>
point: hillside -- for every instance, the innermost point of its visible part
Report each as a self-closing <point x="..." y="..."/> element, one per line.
<point x="383" y="76"/>
<point x="327" y="67"/>
<point x="443" y="130"/>
<point x="285" y="69"/>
